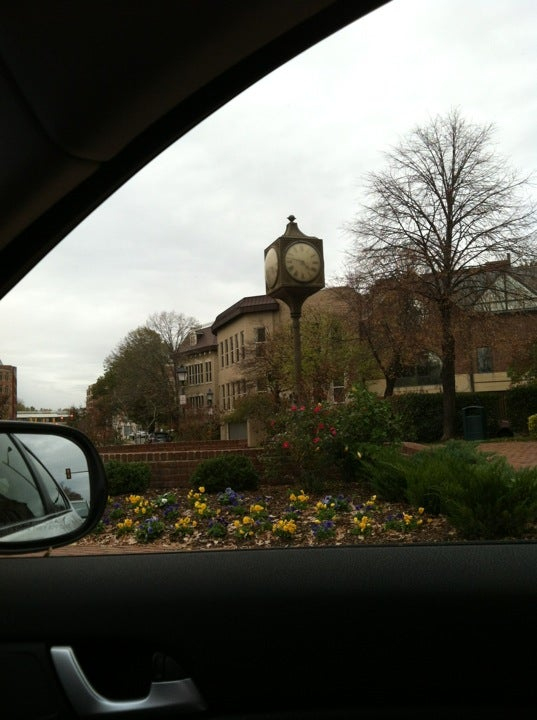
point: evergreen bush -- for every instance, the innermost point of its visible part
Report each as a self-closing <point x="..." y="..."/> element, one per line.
<point x="228" y="470"/>
<point x="384" y="471"/>
<point x="521" y="402"/>
<point x="493" y="502"/>
<point x="127" y="477"/>
<point x="431" y="471"/>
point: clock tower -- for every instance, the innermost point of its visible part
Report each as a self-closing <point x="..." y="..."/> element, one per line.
<point x="294" y="270"/>
<point x="294" y="266"/>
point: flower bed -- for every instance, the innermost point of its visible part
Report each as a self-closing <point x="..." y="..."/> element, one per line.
<point x="181" y="520"/>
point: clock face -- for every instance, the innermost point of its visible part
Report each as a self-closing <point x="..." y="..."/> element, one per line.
<point x="302" y="261"/>
<point x="271" y="267"/>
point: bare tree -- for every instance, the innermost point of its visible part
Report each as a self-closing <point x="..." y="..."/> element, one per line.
<point x="173" y="329"/>
<point x="392" y="322"/>
<point x="445" y="204"/>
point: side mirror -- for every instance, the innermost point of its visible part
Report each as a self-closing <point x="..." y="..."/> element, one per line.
<point x="53" y="486"/>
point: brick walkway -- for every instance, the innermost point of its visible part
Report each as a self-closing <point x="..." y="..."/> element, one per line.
<point x="518" y="454"/>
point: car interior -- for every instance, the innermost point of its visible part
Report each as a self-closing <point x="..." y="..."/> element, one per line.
<point x="90" y="93"/>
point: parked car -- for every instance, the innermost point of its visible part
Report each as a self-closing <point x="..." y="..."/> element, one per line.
<point x="159" y="437"/>
<point x="89" y="94"/>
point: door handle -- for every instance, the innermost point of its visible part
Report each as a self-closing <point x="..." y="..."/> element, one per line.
<point x="177" y="696"/>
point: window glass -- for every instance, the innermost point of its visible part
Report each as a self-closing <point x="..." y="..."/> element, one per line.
<point x="301" y="142"/>
<point x="484" y="359"/>
<point x="17" y="483"/>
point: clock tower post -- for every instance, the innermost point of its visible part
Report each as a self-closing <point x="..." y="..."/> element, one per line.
<point x="294" y="270"/>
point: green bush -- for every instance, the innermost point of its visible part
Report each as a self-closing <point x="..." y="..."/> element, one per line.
<point x="132" y="477"/>
<point x="430" y="471"/>
<point x="480" y="494"/>
<point x="422" y="413"/>
<point x="304" y="448"/>
<point x="367" y="418"/>
<point x="315" y="447"/>
<point x="225" y="471"/>
<point x="532" y="425"/>
<point x="421" y="416"/>
<point x="520" y="402"/>
<point x="383" y="470"/>
<point x="493" y="501"/>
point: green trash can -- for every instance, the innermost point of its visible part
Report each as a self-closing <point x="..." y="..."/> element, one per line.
<point x="473" y="422"/>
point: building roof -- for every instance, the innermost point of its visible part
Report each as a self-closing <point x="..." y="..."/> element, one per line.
<point x="204" y="341"/>
<point x="253" y="304"/>
<point x="499" y="286"/>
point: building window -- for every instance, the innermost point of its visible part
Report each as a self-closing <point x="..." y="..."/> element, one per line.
<point x="427" y="371"/>
<point x="484" y="360"/>
<point x="259" y="334"/>
<point x="259" y="338"/>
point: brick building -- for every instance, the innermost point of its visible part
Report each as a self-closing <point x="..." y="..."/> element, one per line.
<point x="498" y="317"/>
<point x="8" y="392"/>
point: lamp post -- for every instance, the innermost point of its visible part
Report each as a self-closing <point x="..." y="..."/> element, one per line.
<point x="181" y="374"/>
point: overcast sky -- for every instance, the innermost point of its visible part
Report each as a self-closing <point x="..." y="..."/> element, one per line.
<point x="187" y="234"/>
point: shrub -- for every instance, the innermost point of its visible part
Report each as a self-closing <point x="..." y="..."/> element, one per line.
<point x="123" y="478"/>
<point x="431" y="471"/>
<point x="367" y="418"/>
<point x="225" y="471"/>
<point x="316" y="447"/>
<point x="383" y="470"/>
<point x="521" y="402"/>
<point x="493" y="502"/>
<point x="303" y="448"/>
<point x="421" y="415"/>
<point x="532" y="425"/>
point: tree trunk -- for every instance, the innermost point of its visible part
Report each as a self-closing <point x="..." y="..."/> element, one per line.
<point x="390" y="386"/>
<point x="448" y="376"/>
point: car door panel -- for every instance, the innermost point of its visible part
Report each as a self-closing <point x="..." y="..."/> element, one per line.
<point x="328" y="629"/>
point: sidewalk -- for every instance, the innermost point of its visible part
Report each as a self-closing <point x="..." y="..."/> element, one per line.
<point x="519" y="454"/>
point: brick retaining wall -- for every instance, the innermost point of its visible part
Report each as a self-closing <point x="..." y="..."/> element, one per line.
<point x="172" y="464"/>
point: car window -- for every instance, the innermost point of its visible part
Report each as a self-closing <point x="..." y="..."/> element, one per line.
<point x="17" y="484"/>
<point x="54" y="498"/>
<point x="61" y="464"/>
<point x="184" y="240"/>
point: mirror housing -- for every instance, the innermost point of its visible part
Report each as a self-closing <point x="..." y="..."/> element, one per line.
<point x="53" y="487"/>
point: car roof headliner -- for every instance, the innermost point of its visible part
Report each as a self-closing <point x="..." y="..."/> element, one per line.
<point x="91" y="92"/>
